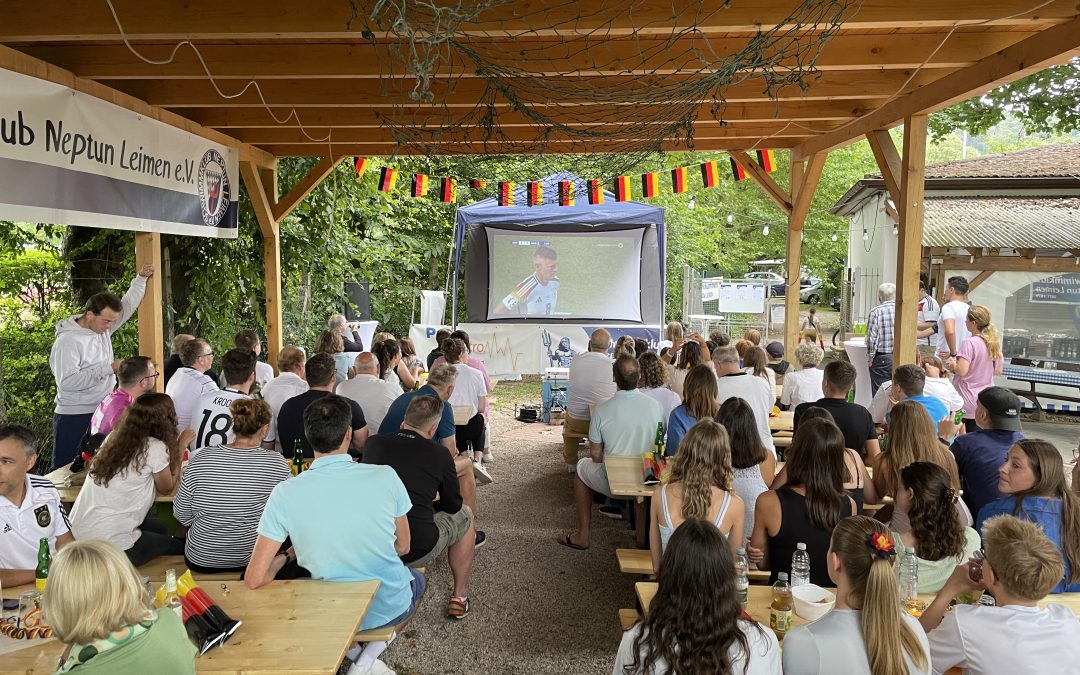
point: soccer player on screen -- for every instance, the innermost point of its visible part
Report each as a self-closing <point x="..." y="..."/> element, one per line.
<point x="537" y="293"/>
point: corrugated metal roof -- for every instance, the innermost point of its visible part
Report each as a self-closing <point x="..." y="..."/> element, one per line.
<point x="1002" y="222"/>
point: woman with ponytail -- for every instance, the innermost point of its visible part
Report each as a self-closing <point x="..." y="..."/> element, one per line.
<point x="940" y="540"/>
<point x="977" y="361"/>
<point x="867" y="633"/>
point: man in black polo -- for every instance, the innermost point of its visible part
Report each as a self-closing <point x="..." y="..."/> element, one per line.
<point x="854" y="420"/>
<point x="321" y="378"/>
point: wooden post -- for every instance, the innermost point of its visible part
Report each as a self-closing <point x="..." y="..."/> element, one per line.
<point x="910" y="233"/>
<point x="151" y="327"/>
<point x="271" y="257"/>
<point x="804" y="180"/>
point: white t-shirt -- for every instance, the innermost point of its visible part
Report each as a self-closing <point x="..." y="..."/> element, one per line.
<point x="212" y="421"/>
<point x="938" y="387"/>
<point x="764" y="652"/>
<point x="801" y="386"/>
<point x="755" y="391"/>
<point x="185" y="387"/>
<point x="667" y="399"/>
<point x="468" y="387"/>
<point x="373" y="395"/>
<point x="834" y="644"/>
<point x="957" y="311"/>
<point x="264" y="372"/>
<point x="22" y="527"/>
<point x="281" y="389"/>
<point x="591" y="383"/>
<point x="114" y="512"/>
<point x="770" y="375"/>
<point x="929" y="312"/>
<point x="1007" y="640"/>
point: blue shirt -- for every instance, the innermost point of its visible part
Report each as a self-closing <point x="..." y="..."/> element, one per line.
<point x="1045" y="512"/>
<point x="395" y="414"/>
<point x="938" y="410"/>
<point x="340" y="517"/>
<point x="678" y="424"/>
<point x="979" y="454"/>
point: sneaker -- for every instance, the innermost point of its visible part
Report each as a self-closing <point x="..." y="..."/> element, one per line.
<point x="457" y="608"/>
<point x="571" y="468"/>
<point x="481" y="539"/>
<point x="481" y="474"/>
<point x="613" y="512"/>
<point x="488" y="457"/>
<point x="376" y="668"/>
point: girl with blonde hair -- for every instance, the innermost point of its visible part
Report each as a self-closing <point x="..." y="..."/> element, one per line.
<point x="977" y="361"/>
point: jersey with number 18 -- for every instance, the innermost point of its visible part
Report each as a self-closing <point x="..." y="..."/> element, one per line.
<point x="212" y="421"/>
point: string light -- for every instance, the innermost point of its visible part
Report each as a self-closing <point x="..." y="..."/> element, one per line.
<point x="730" y="218"/>
<point x="895" y="230"/>
<point x="765" y="230"/>
<point x="693" y="203"/>
<point x="834" y="237"/>
<point x="865" y="235"/>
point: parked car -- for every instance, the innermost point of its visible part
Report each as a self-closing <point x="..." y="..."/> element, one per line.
<point x="835" y="303"/>
<point x="770" y="277"/>
<point x="809" y="289"/>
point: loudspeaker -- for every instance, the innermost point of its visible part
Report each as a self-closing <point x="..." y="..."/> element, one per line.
<point x="360" y="297"/>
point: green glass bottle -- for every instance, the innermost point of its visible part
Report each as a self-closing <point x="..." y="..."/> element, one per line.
<point x="44" y="561"/>
<point x="658" y="442"/>
<point x="297" y="458"/>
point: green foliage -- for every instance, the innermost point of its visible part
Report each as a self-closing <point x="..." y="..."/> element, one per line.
<point x="34" y="276"/>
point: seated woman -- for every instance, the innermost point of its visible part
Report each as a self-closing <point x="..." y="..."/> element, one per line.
<point x="1033" y="480"/>
<point x="331" y="342"/>
<point x="392" y="365"/>
<point x="803" y="385"/>
<point x="223" y="491"/>
<point x="753" y="465"/>
<point x="756" y="363"/>
<point x="866" y="632"/>
<point x="413" y="363"/>
<point x="653" y="383"/>
<point x="97" y="606"/>
<point x="692" y="353"/>
<point x="940" y="540"/>
<point x="699" y="403"/>
<point x="139" y="460"/>
<point x="806" y="509"/>
<point x="699" y="487"/>
<point x="695" y="623"/>
<point x="469" y="393"/>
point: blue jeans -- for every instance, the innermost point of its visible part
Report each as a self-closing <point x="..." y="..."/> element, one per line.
<point x="419" y="585"/>
<point x="68" y="430"/>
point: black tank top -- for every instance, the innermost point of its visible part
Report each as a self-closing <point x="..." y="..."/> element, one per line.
<point x="795" y="527"/>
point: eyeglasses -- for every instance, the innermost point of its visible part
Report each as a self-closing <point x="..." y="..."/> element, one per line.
<point x="207" y="354"/>
<point x="152" y="377"/>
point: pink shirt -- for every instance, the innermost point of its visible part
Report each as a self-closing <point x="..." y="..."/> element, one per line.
<point x="109" y="410"/>
<point x="980" y="374"/>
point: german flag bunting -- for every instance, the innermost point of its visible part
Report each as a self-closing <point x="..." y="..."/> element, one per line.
<point x="622" y="189"/>
<point x="419" y="185"/>
<point x="566" y="193"/>
<point x="534" y="193"/>
<point x="737" y="170"/>
<point x="387" y="179"/>
<point x="478" y="183"/>
<point x="767" y="160"/>
<point x="506" y="193"/>
<point x="678" y="180"/>
<point x="710" y="174"/>
<point x="360" y="165"/>
<point x="596" y="192"/>
<point x="648" y="185"/>
<point x="448" y="191"/>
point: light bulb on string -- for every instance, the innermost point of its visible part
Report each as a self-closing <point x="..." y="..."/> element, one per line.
<point x="730" y="218"/>
<point x="865" y="235"/>
<point x="765" y="230"/>
<point x="834" y="237"/>
<point x="693" y="203"/>
<point x="895" y="230"/>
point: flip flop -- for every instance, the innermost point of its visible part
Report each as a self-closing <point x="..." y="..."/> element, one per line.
<point x="565" y="541"/>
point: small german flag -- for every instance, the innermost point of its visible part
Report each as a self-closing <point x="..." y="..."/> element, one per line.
<point x="360" y="164"/>
<point x="448" y="191"/>
<point x="678" y="180"/>
<point x="534" y="193"/>
<point x="766" y="159"/>
<point x="596" y="192"/>
<point x="622" y="189"/>
<point x="566" y="193"/>
<point x="387" y="179"/>
<point x="506" y="193"/>
<point x="648" y="185"/>
<point x="737" y="170"/>
<point x="419" y="185"/>
<point x="710" y="174"/>
<point x="478" y="183"/>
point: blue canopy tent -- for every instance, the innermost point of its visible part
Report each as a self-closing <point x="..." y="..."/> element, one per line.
<point x="582" y="217"/>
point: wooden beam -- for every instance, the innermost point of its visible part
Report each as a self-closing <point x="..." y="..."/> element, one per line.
<point x="302" y="189"/>
<point x="762" y="178"/>
<point x="804" y="181"/>
<point x="270" y="185"/>
<point x="804" y="193"/>
<point x="888" y="160"/>
<point x="912" y="208"/>
<point x="271" y="258"/>
<point x="1053" y="46"/>
<point x="1050" y="265"/>
<point x="151" y="325"/>
<point x="979" y="278"/>
<point x="522" y="148"/>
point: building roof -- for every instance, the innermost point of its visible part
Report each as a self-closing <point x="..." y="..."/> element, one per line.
<point x="1002" y="222"/>
<point x="1056" y="160"/>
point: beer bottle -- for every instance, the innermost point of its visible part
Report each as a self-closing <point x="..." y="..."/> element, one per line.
<point x="658" y="442"/>
<point x="172" y="600"/>
<point x="44" y="561"/>
<point x="297" y="458"/>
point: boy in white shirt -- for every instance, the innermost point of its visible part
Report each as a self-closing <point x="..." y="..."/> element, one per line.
<point x="1020" y="567"/>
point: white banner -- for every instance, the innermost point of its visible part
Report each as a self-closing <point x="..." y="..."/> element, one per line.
<point x="72" y="159"/>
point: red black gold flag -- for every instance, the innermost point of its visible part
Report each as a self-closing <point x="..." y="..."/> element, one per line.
<point x="534" y="193"/>
<point x="596" y="192"/>
<point x="767" y="160"/>
<point x="710" y="174"/>
<point x="506" y="193"/>
<point x="360" y="164"/>
<point x="648" y="185"/>
<point x="737" y="170"/>
<point x="419" y="185"/>
<point x="622" y="189"/>
<point x="448" y="191"/>
<point x="387" y="179"/>
<point x="478" y="183"/>
<point x="566" y="193"/>
<point x="678" y="180"/>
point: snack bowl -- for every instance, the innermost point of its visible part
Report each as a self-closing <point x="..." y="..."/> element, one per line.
<point x="812" y="601"/>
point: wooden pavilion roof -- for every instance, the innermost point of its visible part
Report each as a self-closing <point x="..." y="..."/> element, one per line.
<point x="310" y="57"/>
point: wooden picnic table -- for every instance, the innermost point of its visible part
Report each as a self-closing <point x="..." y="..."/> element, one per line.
<point x="784" y="422"/>
<point x="300" y="626"/>
<point x="624" y="476"/>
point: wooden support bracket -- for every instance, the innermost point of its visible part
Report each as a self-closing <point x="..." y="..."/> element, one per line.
<point x="762" y="178"/>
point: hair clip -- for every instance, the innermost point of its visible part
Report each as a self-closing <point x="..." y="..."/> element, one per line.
<point x="881" y="545"/>
<point x="951" y="495"/>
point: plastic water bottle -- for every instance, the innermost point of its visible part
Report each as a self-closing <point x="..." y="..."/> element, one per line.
<point x="800" y="566"/>
<point x="742" y="577"/>
<point x="909" y="583"/>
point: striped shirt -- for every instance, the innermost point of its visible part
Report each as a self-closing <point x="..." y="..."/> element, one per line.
<point x="221" y="497"/>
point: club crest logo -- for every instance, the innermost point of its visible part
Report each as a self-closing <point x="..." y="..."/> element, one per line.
<point x="44" y="518"/>
<point x="215" y="192"/>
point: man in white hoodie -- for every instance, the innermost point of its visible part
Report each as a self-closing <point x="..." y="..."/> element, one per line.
<point x="83" y="364"/>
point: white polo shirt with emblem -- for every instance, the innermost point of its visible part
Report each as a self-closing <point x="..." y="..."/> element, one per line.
<point x="22" y="527"/>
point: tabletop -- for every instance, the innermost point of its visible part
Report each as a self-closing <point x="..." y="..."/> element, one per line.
<point x="785" y="421"/>
<point x="624" y="476"/>
<point x="69" y="484"/>
<point x="302" y="626"/>
<point x="1042" y="375"/>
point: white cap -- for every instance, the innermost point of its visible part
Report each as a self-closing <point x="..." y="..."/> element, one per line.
<point x="801" y="546"/>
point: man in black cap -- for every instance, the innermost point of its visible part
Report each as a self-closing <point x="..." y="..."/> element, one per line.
<point x="980" y="453"/>
<point x="775" y="350"/>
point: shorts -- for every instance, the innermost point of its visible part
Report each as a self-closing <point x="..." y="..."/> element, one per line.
<point x="452" y="527"/>
<point x="594" y="476"/>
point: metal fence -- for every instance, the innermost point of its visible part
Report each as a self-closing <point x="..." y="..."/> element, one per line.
<point x="705" y="315"/>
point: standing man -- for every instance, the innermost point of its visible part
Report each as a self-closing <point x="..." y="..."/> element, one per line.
<point x="879" y="337"/>
<point x="82" y="363"/>
<point x="591" y="384"/>
<point x="137" y="376"/>
<point x="349" y="336"/>
<point x="952" y="322"/>
<point x="537" y="293"/>
<point x="191" y="381"/>
<point x="927" y="317"/>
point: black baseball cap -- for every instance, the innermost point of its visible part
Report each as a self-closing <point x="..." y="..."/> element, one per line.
<point x="775" y="349"/>
<point x="1003" y="406"/>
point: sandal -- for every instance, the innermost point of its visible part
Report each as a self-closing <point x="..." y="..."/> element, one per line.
<point x="457" y="608"/>
<point x="566" y="541"/>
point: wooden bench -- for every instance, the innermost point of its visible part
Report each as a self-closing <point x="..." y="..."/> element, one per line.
<point x="155" y="569"/>
<point x="639" y="561"/>
<point x="388" y="633"/>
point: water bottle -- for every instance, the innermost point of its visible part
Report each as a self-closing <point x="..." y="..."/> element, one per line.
<point x="800" y="566"/>
<point x="742" y="577"/>
<point x="909" y="583"/>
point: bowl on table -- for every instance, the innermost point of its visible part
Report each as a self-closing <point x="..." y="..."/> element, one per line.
<point x="812" y="601"/>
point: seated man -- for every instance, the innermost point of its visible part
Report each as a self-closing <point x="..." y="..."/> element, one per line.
<point x="853" y="419"/>
<point x="732" y="381"/>
<point x="1020" y="567"/>
<point x="434" y="354"/>
<point x="29" y="508"/>
<point x="590" y="385"/>
<point x="426" y="470"/>
<point x="623" y="425"/>
<point x="475" y="363"/>
<point x="212" y="420"/>
<point x="934" y="385"/>
<point x="908" y="384"/>
<point x="372" y="393"/>
<point x="291" y="382"/>
<point x="136" y="376"/>
<point x="249" y="339"/>
<point x="321" y="377"/>
<point x="191" y="381"/>
<point x="980" y="453"/>
<point x="319" y="512"/>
